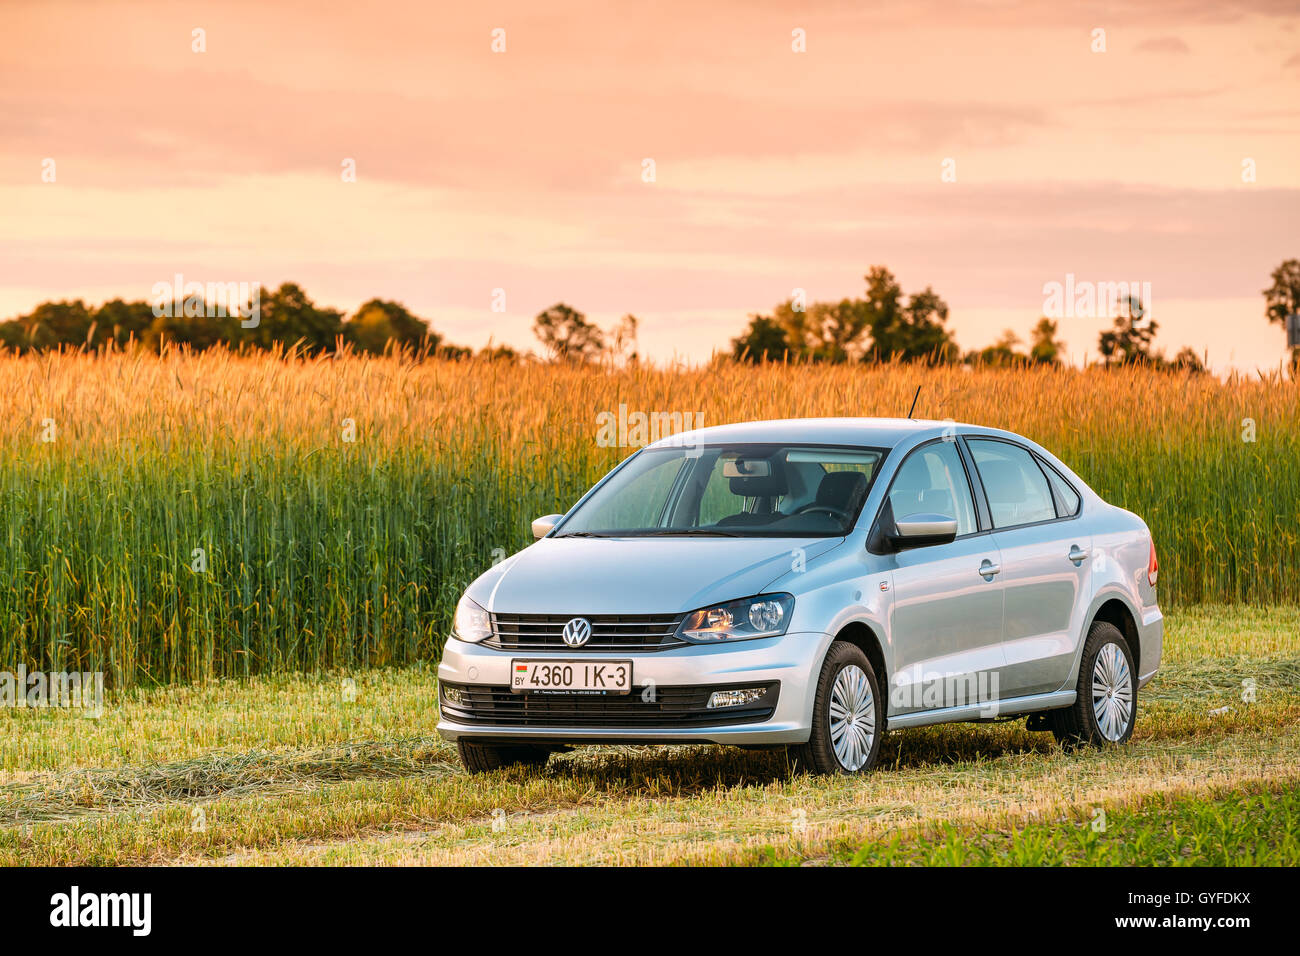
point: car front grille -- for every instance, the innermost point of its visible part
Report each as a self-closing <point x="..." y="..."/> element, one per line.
<point x="609" y="632"/>
<point x="667" y="708"/>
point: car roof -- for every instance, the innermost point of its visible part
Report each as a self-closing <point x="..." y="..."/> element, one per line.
<point x="871" y="432"/>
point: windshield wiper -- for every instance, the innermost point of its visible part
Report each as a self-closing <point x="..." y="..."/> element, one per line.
<point x="663" y="532"/>
<point x="579" y="534"/>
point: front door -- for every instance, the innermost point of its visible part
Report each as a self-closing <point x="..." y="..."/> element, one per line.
<point x="947" y="625"/>
<point x="947" y="610"/>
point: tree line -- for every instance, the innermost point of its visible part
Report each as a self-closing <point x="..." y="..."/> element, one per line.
<point x="886" y="325"/>
<point x="882" y="325"/>
<point x="286" y="317"/>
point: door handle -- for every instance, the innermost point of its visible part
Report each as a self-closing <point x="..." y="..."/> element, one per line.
<point x="988" y="568"/>
<point x="1077" y="554"/>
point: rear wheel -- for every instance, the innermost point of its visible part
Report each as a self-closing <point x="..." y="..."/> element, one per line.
<point x="1105" y="708"/>
<point x="481" y="758"/>
<point x="848" y="715"/>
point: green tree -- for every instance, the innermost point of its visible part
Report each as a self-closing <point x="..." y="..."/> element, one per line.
<point x="457" y="352"/>
<point x="377" y="323"/>
<point x="199" y="332"/>
<point x="839" y="331"/>
<point x="624" y="347"/>
<point x="843" y="328"/>
<point x="289" y="316"/>
<point x="799" y="329"/>
<point x="119" y="321"/>
<point x="1130" y="338"/>
<point x="1045" y="348"/>
<point x="196" y="331"/>
<point x="1186" y="361"/>
<point x="912" y="331"/>
<point x="12" y="335"/>
<point x="286" y="316"/>
<point x="567" y="334"/>
<point x="823" y="331"/>
<point x="1001" y="353"/>
<point x="498" y="353"/>
<point x="1282" y="298"/>
<point x="885" y="319"/>
<point x="52" y="324"/>
<point x="763" y="341"/>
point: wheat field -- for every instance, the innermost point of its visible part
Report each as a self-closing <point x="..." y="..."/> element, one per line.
<point x="197" y="515"/>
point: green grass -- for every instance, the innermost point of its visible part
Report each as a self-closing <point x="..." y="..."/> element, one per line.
<point x="288" y="769"/>
<point x="1247" y="827"/>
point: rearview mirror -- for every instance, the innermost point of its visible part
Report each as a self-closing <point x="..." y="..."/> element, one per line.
<point x="542" y="526"/>
<point x="917" y="531"/>
<point x="747" y="468"/>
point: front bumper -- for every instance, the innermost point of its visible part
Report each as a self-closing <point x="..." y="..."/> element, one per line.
<point x="788" y="661"/>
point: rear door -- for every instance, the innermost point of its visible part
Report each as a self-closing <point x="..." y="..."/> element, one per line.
<point x="1045" y="566"/>
<point x="947" y="610"/>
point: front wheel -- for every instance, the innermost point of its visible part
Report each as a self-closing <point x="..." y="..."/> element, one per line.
<point x="481" y="758"/>
<point x="1105" y="708"/>
<point x="848" y="715"/>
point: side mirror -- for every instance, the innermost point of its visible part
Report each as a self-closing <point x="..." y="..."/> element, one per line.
<point x="542" y="526"/>
<point x="920" y="530"/>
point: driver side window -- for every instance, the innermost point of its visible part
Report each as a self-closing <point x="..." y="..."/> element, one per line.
<point x="933" y="481"/>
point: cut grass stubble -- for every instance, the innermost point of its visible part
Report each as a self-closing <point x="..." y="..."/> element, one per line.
<point x="288" y="769"/>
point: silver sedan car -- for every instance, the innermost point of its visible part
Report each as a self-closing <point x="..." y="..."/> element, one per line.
<point x="809" y="584"/>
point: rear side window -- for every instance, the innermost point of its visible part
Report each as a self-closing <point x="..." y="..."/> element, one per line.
<point x="1066" y="497"/>
<point x="1015" y="486"/>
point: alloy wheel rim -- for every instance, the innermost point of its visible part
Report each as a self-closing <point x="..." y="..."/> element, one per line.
<point x="852" y="717"/>
<point x="1112" y="692"/>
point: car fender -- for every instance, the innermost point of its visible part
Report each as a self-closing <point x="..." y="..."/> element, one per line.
<point x="1109" y="591"/>
<point x="868" y="613"/>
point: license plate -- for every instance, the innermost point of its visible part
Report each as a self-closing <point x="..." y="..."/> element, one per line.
<point x="571" y="677"/>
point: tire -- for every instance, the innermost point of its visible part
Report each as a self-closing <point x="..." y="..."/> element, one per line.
<point x="845" y="673"/>
<point x="1099" y="717"/>
<point x="484" y="758"/>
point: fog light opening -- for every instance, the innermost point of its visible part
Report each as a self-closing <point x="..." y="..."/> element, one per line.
<point x="734" y="698"/>
<point x="451" y="695"/>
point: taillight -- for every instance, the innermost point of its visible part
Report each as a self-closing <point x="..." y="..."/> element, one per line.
<point x="1153" y="566"/>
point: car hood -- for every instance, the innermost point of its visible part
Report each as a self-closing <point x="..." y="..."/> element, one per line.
<point x="639" y="575"/>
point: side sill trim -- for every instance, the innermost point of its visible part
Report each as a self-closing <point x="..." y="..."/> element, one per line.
<point x="999" y="708"/>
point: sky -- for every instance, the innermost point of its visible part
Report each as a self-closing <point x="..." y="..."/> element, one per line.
<point x="984" y="149"/>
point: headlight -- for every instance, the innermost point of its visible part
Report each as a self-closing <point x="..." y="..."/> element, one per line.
<point x="471" y="623"/>
<point x="767" y="615"/>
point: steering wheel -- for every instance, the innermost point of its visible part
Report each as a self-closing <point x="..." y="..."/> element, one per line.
<point x="828" y="509"/>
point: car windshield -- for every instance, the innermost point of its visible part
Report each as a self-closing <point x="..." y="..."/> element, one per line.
<point x="745" y="490"/>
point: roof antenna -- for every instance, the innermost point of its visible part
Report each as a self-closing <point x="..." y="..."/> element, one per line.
<point x="914" y="398"/>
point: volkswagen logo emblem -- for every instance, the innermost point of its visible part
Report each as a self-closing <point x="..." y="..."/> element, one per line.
<point x="577" y="632"/>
